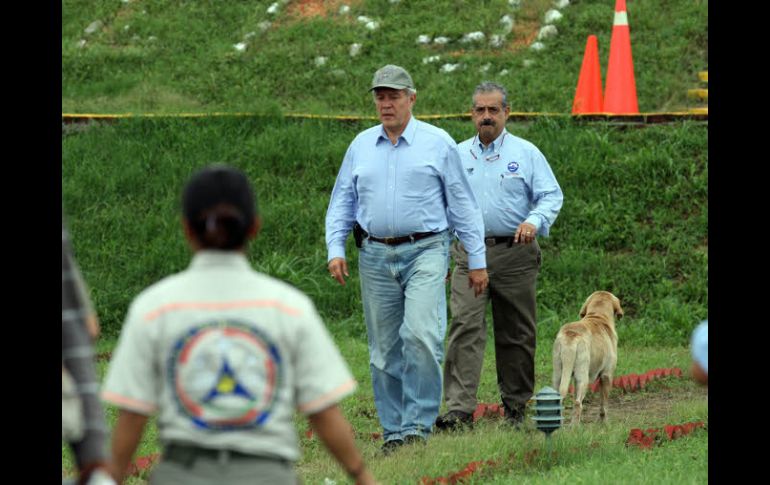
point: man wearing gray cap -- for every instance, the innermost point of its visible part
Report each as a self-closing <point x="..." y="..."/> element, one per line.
<point x="399" y="189"/>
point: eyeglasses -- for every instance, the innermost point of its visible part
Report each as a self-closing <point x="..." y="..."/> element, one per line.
<point x="490" y="158"/>
<point x="493" y="110"/>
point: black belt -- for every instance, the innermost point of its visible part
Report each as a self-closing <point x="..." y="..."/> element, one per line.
<point x="394" y="241"/>
<point x="186" y="455"/>
<point x="494" y="240"/>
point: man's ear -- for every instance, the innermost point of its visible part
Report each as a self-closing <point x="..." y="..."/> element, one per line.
<point x="256" y="226"/>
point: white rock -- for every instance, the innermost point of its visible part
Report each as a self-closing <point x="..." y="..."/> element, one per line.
<point x="363" y="19"/>
<point x="497" y="40"/>
<point x="373" y="25"/>
<point x="264" y="25"/>
<point x="537" y="46"/>
<point x="547" y="32"/>
<point x="249" y="35"/>
<point x="485" y="68"/>
<point x="320" y="61"/>
<point x="93" y="27"/>
<point x="514" y="3"/>
<point x="394" y="1"/>
<point x="344" y="9"/>
<point x="441" y="40"/>
<point x="135" y="38"/>
<point x="273" y="9"/>
<point x="528" y="63"/>
<point x="473" y="37"/>
<point x="355" y="49"/>
<point x="125" y="1"/>
<point x="338" y="73"/>
<point x="504" y="72"/>
<point x="450" y="67"/>
<point x="552" y="16"/>
<point x="152" y="38"/>
<point x="240" y="46"/>
<point x="329" y="481"/>
<point x="81" y="43"/>
<point x="126" y="27"/>
<point x="423" y="39"/>
<point x="430" y="59"/>
<point x="561" y="3"/>
<point x="507" y="22"/>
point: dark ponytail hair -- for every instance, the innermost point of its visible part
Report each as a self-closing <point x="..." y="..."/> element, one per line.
<point x="220" y="206"/>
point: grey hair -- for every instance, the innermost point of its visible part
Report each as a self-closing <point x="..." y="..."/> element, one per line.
<point x="490" y="87"/>
<point x="407" y="91"/>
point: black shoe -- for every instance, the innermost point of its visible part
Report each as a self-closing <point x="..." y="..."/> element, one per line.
<point x="415" y="438"/>
<point x="514" y="415"/>
<point x="391" y="446"/>
<point x="454" y="420"/>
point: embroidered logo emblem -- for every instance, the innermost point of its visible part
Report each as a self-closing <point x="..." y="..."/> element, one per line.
<point x="224" y="375"/>
<point x="513" y="166"/>
<point x="469" y="170"/>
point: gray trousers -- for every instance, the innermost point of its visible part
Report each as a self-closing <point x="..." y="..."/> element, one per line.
<point x="512" y="279"/>
<point x="240" y="471"/>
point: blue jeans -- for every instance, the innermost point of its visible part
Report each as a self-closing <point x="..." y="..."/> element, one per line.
<point x="404" y="297"/>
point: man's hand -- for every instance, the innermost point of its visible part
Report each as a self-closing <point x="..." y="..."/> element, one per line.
<point x="338" y="269"/>
<point x="525" y="233"/>
<point x="478" y="280"/>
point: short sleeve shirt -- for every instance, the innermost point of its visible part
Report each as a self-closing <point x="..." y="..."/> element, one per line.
<point x="225" y="355"/>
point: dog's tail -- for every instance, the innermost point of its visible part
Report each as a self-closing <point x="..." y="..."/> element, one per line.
<point x="568" y="356"/>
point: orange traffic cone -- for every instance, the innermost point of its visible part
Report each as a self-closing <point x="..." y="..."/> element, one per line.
<point x="620" y="91"/>
<point x="588" y="95"/>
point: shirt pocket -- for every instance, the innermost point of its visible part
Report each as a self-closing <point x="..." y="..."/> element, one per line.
<point x="514" y="186"/>
<point x="420" y="178"/>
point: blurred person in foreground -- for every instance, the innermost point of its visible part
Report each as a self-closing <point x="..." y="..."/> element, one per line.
<point x="700" y="353"/>
<point x="83" y="425"/>
<point x="225" y="355"/>
<point x="400" y="189"/>
<point x="520" y="200"/>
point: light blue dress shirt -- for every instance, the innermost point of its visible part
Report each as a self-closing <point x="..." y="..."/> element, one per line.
<point x="416" y="185"/>
<point x="513" y="183"/>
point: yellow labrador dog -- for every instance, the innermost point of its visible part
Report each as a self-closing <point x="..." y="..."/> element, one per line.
<point x="588" y="349"/>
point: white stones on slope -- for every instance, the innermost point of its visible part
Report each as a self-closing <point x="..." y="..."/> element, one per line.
<point x="264" y="25"/>
<point x="240" y="46"/>
<point x="528" y="63"/>
<point x="368" y="23"/>
<point x="93" y="27"/>
<point x="472" y="37"/>
<point x="552" y="16"/>
<point x="485" y="67"/>
<point x="273" y="9"/>
<point x="561" y="3"/>
<point x="394" y="1"/>
<point x="502" y="73"/>
<point x="423" y="39"/>
<point x="81" y="43"/>
<point x="344" y="9"/>
<point x="507" y="22"/>
<point x="447" y="68"/>
<point x="354" y="50"/>
<point x="249" y="35"/>
<point x="546" y="32"/>
<point x="496" y="40"/>
<point x="320" y="61"/>
<point x="537" y="46"/>
<point x="514" y="3"/>
<point x="430" y="59"/>
<point x="441" y="40"/>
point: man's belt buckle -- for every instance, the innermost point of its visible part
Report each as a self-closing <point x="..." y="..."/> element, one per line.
<point x="489" y="241"/>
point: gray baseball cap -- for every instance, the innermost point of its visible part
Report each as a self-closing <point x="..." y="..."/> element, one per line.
<point x="391" y="76"/>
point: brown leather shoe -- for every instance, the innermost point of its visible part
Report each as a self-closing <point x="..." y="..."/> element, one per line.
<point x="454" y="420"/>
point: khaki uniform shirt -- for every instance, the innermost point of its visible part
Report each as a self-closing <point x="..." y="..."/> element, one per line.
<point x="225" y="355"/>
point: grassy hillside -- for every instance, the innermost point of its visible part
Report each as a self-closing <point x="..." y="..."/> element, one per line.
<point x="169" y="56"/>
<point x="634" y="221"/>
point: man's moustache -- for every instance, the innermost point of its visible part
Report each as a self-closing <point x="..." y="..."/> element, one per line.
<point x="487" y="123"/>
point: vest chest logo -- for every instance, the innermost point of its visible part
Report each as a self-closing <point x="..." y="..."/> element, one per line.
<point x="513" y="166"/>
<point x="225" y="375"/>
<point x="469" y="170"/>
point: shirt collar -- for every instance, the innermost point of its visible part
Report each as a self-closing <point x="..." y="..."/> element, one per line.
<point x="407" y="135"/>
<point x="495" y="145"/>
<point x="207" y="258"/>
